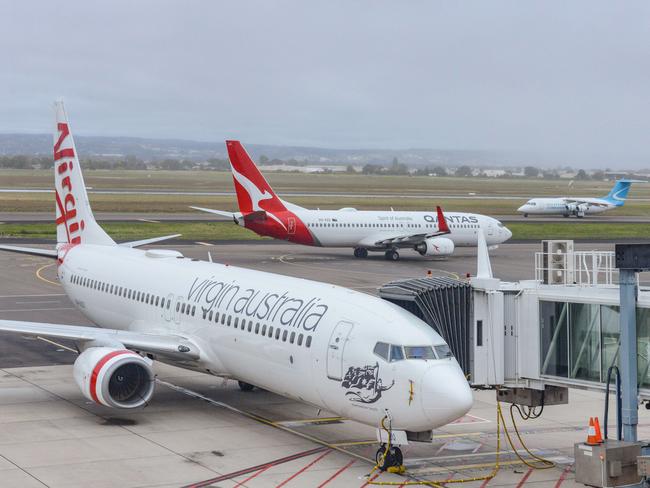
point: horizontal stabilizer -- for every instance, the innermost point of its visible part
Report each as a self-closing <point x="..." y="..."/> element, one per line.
<point x="255" y="216"/>
<point x="35" y="251"/>
<point x="152" y="240"/>
<point x="223" y="213"/>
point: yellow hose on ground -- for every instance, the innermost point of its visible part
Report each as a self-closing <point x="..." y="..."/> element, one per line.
<point x="538" y="463"/>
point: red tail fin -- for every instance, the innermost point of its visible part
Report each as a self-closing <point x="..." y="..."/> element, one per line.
<point x="442" y="222"/>
<point x="253" y="191"/>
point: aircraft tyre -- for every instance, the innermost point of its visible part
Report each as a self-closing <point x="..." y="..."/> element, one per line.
<point x="360" y="252"/>
<point x="245" y="386"/>
<point x="392" y="255"/>
<point x="388" y="459"/>
<point x="526" y="215"/>
<point x="566" y="215"/>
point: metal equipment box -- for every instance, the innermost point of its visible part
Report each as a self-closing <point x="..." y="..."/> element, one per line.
<point x="550" y="395"/>
<point x="613" y="463"/>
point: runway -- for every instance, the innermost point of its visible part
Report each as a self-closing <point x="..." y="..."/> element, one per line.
<point x="202" y="431"/>
<point x="46" y="217"/>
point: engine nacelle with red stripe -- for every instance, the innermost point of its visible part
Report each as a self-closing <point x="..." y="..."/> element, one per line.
<point x="114" y="377"/>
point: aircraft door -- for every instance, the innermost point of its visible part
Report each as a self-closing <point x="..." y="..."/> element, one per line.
<point x="169" y="310"/>
<point x="176" y="305"/>
<point x="490" y="229"/>
<point x="336" y="349"/>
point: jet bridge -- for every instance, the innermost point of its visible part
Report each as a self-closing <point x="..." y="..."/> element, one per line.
<point x="557" y="331"/>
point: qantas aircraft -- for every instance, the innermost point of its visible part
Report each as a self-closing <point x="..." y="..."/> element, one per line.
<point x="263" y="212"/>
<point x="579" y="206"/>
<point x="353" y="354"/>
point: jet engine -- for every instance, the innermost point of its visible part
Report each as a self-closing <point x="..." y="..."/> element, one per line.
<point x="436" y="246"/>
<point x="114" y="377"/>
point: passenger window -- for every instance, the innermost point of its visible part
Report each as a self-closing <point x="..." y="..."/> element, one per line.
<point x="396" y="353"/>
<point x="228" y="321"/>
<point x="183" y="308"/>
<point x="243" y="324"/>
<point x="169" y="302"/>
<point x="216" y="316"/>
<point x="264" y="329"/>
<point x="236" y="322"/>
<point x="210" y="316"/>
<point x="277" y="334"/>
<point x="284" y="336"/>
<point x="146" y="300"/>
<point x="193" y="310"/>
<point x="308" y="341"/>
<point x="250" y="325"/>
<point x="292" y="337"/>
<point x="300" y="339"/>
<point x="178" y="306"/>
<point x="381" y="350"/>
<point x="257" y="328"/>
<point x="271" y="331"/>
<point x="157" y="301"/>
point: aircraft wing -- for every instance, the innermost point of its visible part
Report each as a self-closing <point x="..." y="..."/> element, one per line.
<point x="404" y="240"/>
<point x="587" y="201"/>
<point x="34" y="251"/>
<point x="166" y="345"/>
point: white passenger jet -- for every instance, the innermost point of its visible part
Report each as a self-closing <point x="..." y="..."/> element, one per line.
<point x="356" y="355"/>
<point x="579" y="206"/>
<point x="263" y="212"/>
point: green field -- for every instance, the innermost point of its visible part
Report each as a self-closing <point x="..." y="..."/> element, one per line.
<point x="214" y="231"/>
<point x="413" y="191"/>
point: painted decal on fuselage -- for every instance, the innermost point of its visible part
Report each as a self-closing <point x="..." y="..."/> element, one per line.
<point x="454" y="219"/>
<point x="364" y="384"/>
<point x="230" y="297"/>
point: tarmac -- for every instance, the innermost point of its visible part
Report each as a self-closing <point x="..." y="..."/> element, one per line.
<point x="203" y="431"/>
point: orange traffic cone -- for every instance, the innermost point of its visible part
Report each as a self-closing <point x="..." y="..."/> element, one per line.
<point x="591" y="433"/>
<point x="599" y="436"/>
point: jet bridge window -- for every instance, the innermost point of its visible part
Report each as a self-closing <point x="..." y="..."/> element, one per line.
<point x="419" y="352"/>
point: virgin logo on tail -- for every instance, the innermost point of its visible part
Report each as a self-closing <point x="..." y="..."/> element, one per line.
<point x="65" y="201"/>
<point x="255" y="194"/>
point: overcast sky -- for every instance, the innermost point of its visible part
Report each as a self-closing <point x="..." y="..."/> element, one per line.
<point x="548" y="76"/>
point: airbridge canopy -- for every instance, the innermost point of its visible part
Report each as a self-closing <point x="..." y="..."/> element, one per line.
<point x="443" y="303"/>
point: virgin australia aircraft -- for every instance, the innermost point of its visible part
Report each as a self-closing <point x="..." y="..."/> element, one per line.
<point x="578" y="206"/>
<point x="263" y="212"/>
<point x="337" y="349"/>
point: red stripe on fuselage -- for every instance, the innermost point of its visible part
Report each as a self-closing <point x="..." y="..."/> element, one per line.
<point x="98" y="368"/>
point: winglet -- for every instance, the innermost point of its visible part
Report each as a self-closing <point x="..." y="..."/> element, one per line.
<point x="442" y="222"/>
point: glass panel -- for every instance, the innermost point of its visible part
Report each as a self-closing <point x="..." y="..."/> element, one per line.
<point x="443" y="351"/>
<point x="381" y="350"/>
<point x="396" y="353"/>
<point x="609" y="337"/>
<point x="419" y="352"/>
<point x="584" y="341"/>
<point x="643" y="345"/>
<point x="554" y="338"/>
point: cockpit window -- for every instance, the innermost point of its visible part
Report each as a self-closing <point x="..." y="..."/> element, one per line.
<point x="500" y="224"/>
<point x="443" y="351"/>
<point x="381" y="350"/>
<point x="419" y="352"/>
<point x="396" y="353"/>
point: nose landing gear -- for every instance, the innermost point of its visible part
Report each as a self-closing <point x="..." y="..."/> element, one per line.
<point x="392" y="255"/>
<point x="392" y="458"/>
<point x="360" y="252"/>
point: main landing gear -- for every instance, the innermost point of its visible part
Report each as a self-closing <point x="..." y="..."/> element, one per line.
<point x="360" y="252"/>
<point x="245" y="386"/>
<point x="392" y="458"/>
<point x="392" y="255"/>
<point x="526" y="215"/>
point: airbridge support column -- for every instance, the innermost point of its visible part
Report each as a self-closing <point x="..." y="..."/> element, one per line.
<point x="630" y="260"/>
<point x="628" y="356"/>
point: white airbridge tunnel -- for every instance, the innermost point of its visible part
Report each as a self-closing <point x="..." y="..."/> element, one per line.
<point x="533" y="340"/>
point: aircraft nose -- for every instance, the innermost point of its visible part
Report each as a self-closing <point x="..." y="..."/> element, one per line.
<point x="522" y="208"/>
<point x="446" y="395"/>
<point x="507" y="232"/>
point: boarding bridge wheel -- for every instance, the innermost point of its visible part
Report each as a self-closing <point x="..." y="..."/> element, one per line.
<point x="245" y="386"/>
<point x="389" y="459"/>
<point x="392" y="255"/>
<point x="360" y="252"/>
